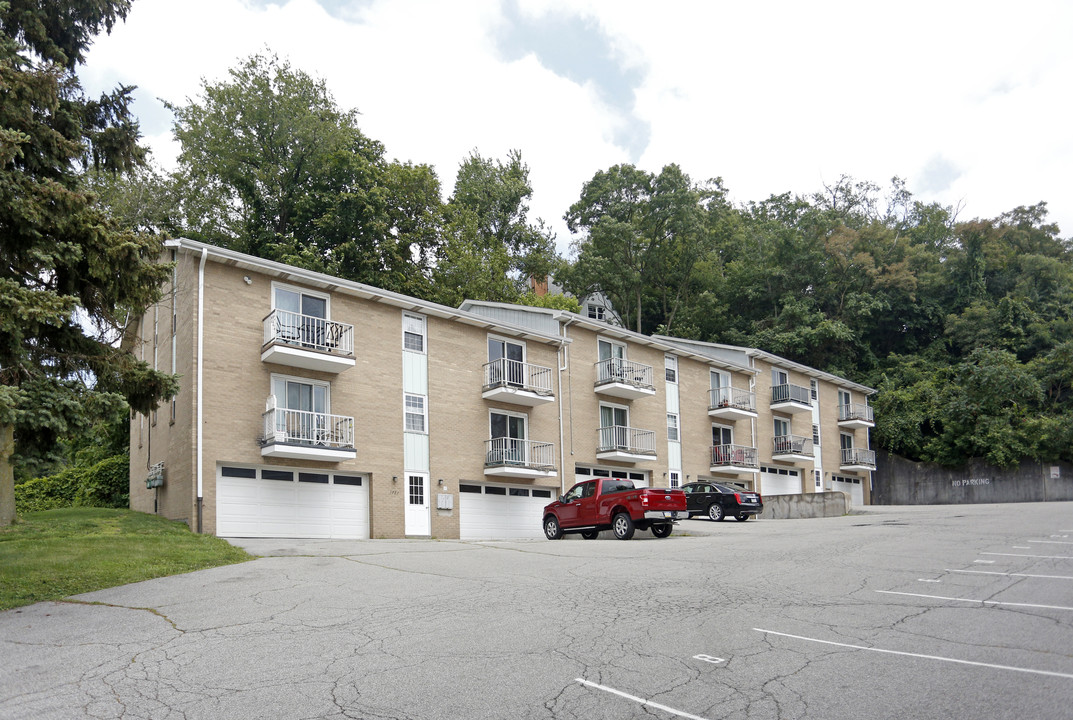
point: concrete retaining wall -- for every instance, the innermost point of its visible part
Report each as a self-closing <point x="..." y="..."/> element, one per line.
<point x="807" y="505"/>
<point x="898" y="481"/>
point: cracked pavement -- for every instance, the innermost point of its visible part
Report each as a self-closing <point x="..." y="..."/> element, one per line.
<point x="451" y="629"/>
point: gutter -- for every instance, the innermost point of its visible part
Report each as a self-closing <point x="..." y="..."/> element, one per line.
<point x="200" y="374"/>
<point x="565" y="365"/>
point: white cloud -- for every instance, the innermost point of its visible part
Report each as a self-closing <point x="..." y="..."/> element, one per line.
<point x="771" y="96"/>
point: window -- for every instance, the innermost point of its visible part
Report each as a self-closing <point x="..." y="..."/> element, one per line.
<point x="781" y="427"/>
<point x="846" y="441"/>
<point x="493" y="490"/>
<point x="506" y="361"/>
<point x="285" y="475"/>
<point x="844" y="398"/>
<point x="416" y="485"/>
<point x="469" y="489"/>
<point x="238" y="472"/>
<point x="674" y="478"/>
<point x="300" y="314"/>
<point x="541" y="493"/>
<point x="347" y="480"/>
<point x="779" y="377"/>
<point x="507" y="431"/>
<point x="313" y="478"/>
<point x="819" y="477"/>
<point x="413" y="333"/>
<point x="672" y="426"/>
<point x="670" y="363"/>
<point x="299" y="394"/>
<point x="414" y="411"/>
<point x="612" y="360"/>
<point x="301" y="410"/>
<point x="596" y="312"/>
<point x="814" y="388"/>
<point x="816" y="435"/>
<point x="519" y="492"/>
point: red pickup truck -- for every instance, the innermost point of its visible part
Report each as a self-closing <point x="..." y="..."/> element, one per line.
<point x="612" y="504"/>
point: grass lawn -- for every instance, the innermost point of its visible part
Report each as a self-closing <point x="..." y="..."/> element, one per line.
<point x="57" y="553"/>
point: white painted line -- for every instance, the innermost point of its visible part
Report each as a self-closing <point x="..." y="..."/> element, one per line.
<point x="927" y="580"/>
<point x="1047" y="557"/>
<point x="710" y="659"/>
<point x="1050" y="542"/>
<point x="918" y="655"/>
<point x="649" y="703"/>
<point x="970" y="600"/>
<point x="991" y="572"/>
<point x="1020" y="547"/>
<point x="985" y="562"/>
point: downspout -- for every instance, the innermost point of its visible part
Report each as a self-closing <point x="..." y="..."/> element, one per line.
<point x="565" y="364"/>
<point x="200" y="367"/>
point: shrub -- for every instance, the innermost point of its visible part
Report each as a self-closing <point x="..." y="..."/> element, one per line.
<point x="105" y="484"/>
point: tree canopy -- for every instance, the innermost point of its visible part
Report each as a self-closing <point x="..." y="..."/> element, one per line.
<point x="70" y="277"/>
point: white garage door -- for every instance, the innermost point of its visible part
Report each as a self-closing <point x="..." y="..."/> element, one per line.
<point x="851" y="486"/>
<point x="502" y="512"/>
<point x="277" y="502"/>
<point x="779" y="481"/>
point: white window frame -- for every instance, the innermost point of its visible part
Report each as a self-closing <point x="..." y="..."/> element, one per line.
<point x="595" y="311"/>
<point x="814" y="388"/>
<point x="508" y="413"/>
<point x="845" y="397"/>
<point x="676" y="426"/>
<point x="721" y="426"/>
<point x="407" y="412"/>
<point x="505" y="340"/>
<point x="303" y="291"/>
<point x="775" y="420"/>
<point x="674" y="479"/>
<point x="818" y="474"/>
<point x="614" y="406"/>
<point x="613" y="343"/>
<point x="779" y="377"/>
<point x="842" y="443"/>
<point x="424" y="332"/>
<point x="724" y="379"/>
<point x="815" y="434"/>
<point x="670" y="368"/>
<point x="280" y="402"/>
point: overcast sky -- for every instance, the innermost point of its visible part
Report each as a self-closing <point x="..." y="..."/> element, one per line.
<point x="969" y="102"/>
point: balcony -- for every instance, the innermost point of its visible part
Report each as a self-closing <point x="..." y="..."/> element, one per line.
<point x="307" y="342"/>
<point x="738" y="459"/>
<point x="624" y="379"/>
<point x="855" y="415"/>
<point x="518" y="383"/>
<point x="791" y="448"/>
<point x="731" y="403"/>
<point x="858" y="459"/>
<point x="514" y="458"/>
<point x="303" y="435"/>
<point x="625" y="444"/>
<point x="791" y="398"/>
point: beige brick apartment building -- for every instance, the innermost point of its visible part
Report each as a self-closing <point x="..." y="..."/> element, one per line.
<point x="312" y="406"/>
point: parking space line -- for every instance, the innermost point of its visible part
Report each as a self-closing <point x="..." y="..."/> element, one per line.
<point x="1021" y="547"/>
<point x="1045" y="557"/>
<point x="1051" y="542"/>
<point x="970" y="600"/>
<point x="993" y="572"/>
<point x="634" y="698"/>
<point x="985" y="562"/>
<point x="919" y="655"/>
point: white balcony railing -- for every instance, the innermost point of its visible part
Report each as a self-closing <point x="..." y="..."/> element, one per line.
<point x="311" y="333"/>
<point x="855" y="411"/>
<point x="626" y="439"/>
<point x="791" y="393"/>
<point x="301" y="427"/>
<point x="732" y="397"/>
<point x="514" y="452"/>
<point x="736" y="455"/>
<point x="791" y="445"/>
<point x="618" y="370"/>
<point x="517" y="374"/>
<point x="859" y="456"/>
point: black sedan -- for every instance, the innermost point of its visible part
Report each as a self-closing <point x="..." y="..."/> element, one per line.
<point x="719" y="501"/>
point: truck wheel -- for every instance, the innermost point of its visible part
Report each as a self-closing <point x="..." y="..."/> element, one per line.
<point x="715" y="512"/>
<point x="551" y="528"/>
<point x="590" y="534"/>
<point x="622" y="524"/>
<point x="662" y="531"/>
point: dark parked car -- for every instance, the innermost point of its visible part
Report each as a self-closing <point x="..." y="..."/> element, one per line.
<point x="719" y="501"/>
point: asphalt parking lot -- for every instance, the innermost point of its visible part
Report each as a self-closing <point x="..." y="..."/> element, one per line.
<point x="903" y="612"/>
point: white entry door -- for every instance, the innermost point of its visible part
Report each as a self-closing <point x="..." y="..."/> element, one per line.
<point x="418" y="520"/>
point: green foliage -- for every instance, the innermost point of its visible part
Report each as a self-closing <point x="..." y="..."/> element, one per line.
<point x="65" y="265"/>
<point x="271" y="166"/>
<point x="491" y="248"/>
<point x="58" y="553"/>
<point x="104" y="484"/>
<point x="552" y="302"/>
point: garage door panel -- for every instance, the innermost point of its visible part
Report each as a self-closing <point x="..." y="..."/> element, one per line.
<point x="257" y="507"/>
<point x="772" y="484"/>
<point x="500" y="517"/>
